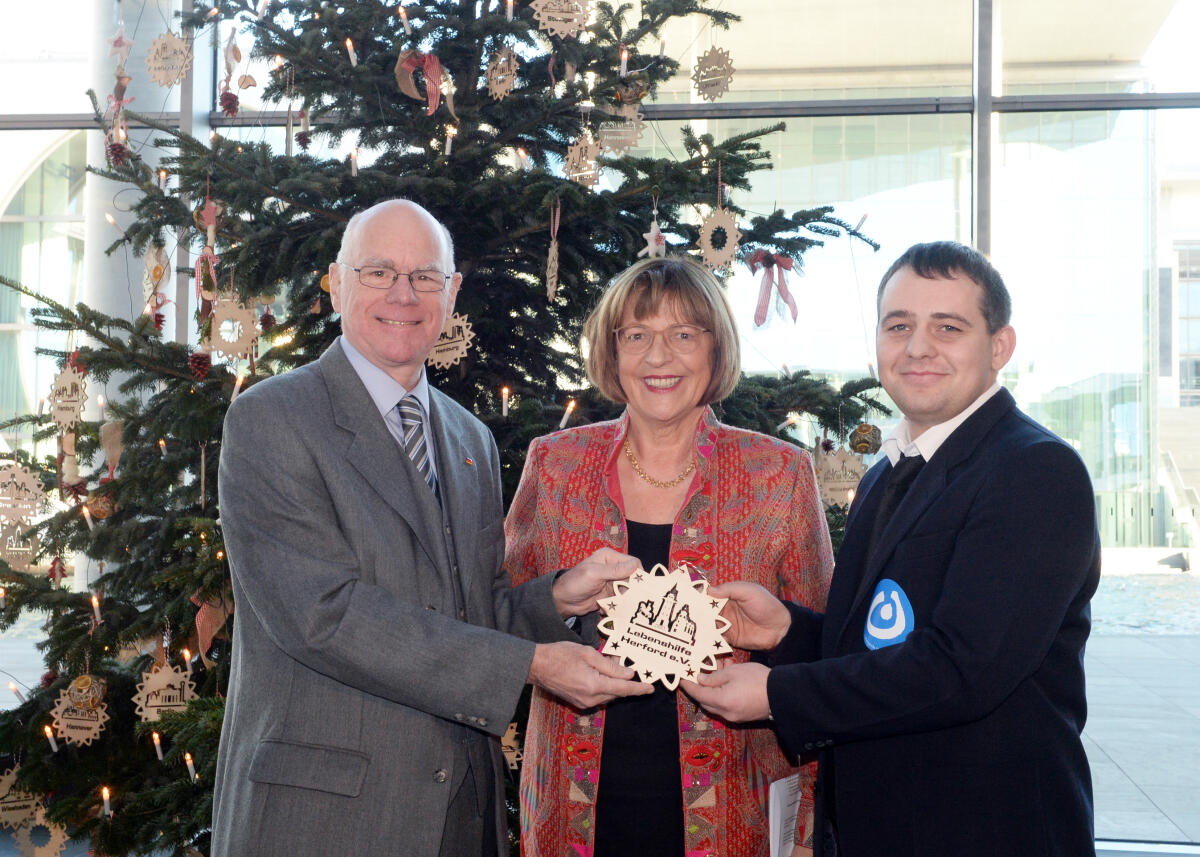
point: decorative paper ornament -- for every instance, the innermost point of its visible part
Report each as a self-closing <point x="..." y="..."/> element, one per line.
<point x="502" y="73"/>
<point x="67" y="397"/>
<point x="164" y="688"/>
<point x="580" y="163"/>
<point x="156" y="264"/>
<point x="120" y="46"/>
<point x="552" y="255"/>
<point x="866" y="439"/>
<point x="16" y="548"/>
<point x="53" y="838"/>
<point x="665" y="625"/>
<point x="452" y="345"/>
<point x="510" y="746"/>
<point x="17" y="807"/>
<point x="234" y="328"/>
<point x="169" y="59"/>
<point x="619" y="137"/>
<point x="200" y="362"/>
<point x="719" y="257"/>
<point x="838" y="475"/>
<point x="21" y="495"/>
<point x="79" y="714"/>
<point x="713" y="74"/>
<point x="564" y="18"/>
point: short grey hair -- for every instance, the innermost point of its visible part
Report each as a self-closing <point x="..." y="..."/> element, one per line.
<point x="354" y="224"/>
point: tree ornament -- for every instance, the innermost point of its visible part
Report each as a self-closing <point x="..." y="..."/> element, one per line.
<point x="17" y="807"/>
<point x="169" y="59"/>
<point x="617" y="138"/>
<point x="552" y="255"/>
<point x="563" y="18"/>
<point x="57" y="570"/>
<point x="713" y="74"/>
<point x="120" y="46"/>
<point x="164" y="688"/>
<point x="510" y="746"/>
<point x="631" y="90"/>
<point x="664" y="624"/>
<point x="838" y="475"/>
<point x="232" y="55"/>
<point x="21" y="496"/>
<point x="770" y="263"/>
<point x="156" y="265"/>
<point x="866" y="439"/>
<point x="580" y="164"/>
<point x="438" y="81"/>
<point x="233" y="329"/>
<point x="228" y="102"/>
<point x="53" y="838"/>
<point x="211" y="616"/>
<point x="719" y="257"/>
<point x="117" y="153"/>
<point x="502" y="73"/>
<point x="80" y="712"/>
<point x="67" y="397"/>
<point x="267" y="320"/>
<point x="101" y="505"/>
<point x="17" y="547"/>
<point x="113" y="444"/>
<point x="452" y="345"/>
<point x="200" y="362"/>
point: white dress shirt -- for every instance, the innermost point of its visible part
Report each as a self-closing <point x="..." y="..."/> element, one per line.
<point x="900" y="441"/>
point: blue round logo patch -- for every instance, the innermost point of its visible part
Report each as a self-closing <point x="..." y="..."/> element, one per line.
<point x="890" y="618"/>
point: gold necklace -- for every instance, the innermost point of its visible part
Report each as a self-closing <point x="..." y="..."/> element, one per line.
<point x="657" y="483"/>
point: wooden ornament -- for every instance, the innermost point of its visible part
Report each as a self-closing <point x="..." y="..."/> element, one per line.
<point x="17" y="547"/>
<point x="665" y="625"/>
<point x="169" y="59"/>
<point x="67" y="397"/>
<point x="723" y="256"/>
<point x="502" y="73"/>
<point x="21" y="496"/>
<point x="79" y="713"/>
<point x="563" y="18"/>
<point x="838" y="475"/>
<point x="164" y="688"/>
<point x="713" y="74"/>
<point x="510" y="746"/>
<point x="619" y="137"/>
<point x="53" y="838"/>
<point x="17" y="807"/>
<point x="234" y="327"/>
<point x="580" y="164"/>
<point x="453" y="344"/>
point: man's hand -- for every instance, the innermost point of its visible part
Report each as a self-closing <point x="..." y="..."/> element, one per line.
<point x="757" y="619"/>
<point x="582" y="676"/>
<point x="737" y="692"/>
<point x="577" y="590"/>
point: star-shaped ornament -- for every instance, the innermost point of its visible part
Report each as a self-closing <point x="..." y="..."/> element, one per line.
<point x="656" y="244"/>
<point x="120" y="46"/>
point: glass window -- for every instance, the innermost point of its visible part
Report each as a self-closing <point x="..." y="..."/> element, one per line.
<point x="47" y="65"/>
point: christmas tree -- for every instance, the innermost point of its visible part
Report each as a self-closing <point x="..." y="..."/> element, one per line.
<point x="515" y="125"/>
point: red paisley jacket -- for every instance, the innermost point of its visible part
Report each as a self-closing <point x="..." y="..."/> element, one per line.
<point x="752" y="513"/>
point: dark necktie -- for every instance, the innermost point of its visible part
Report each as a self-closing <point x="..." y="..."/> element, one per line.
<point x="903" y="473"/>
<point x="412" y="420"/>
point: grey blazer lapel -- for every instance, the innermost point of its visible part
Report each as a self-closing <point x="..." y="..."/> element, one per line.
<point x="374" y="453"/>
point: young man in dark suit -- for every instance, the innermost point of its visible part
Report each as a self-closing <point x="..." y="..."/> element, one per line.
<point x="943" y="687"/>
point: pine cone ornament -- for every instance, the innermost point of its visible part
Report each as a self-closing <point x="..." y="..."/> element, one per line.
<point x="200" y="362"/>
<point x="118" y="153"/>
<point x="267" y="321"/>
<point x="229" y="103"/>
<point x="303" y="140"/>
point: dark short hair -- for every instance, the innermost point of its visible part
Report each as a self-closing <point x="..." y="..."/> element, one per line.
<point x="676" y="283"/>
<point x="948" y="259"/>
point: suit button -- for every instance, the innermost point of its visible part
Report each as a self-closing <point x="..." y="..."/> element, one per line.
<point x="446" y="530"/>
<point x="440" y="775"/>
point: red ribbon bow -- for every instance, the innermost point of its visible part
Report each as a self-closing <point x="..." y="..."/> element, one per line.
<point x="431" y="66"/>
<point x="769" y="262"/>
<point x="115" y="105"/>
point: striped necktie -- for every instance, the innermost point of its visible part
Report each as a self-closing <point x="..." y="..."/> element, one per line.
<point x="412" y="419"/>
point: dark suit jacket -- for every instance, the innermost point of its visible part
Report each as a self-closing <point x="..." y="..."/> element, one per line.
<point x="964" y="739"/>
<point x="357" y="674"/>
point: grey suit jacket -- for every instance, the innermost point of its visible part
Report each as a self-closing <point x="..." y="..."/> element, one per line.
<point x="354" y="674"/>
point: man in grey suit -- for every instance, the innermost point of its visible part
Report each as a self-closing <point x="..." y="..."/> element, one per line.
<point x="379" y="650"/>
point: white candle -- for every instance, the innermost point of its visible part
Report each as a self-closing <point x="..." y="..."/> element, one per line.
<point x="41" y="407"/>
<point x="107" y="806"/>
<point x="523" y="156"/>
<point x="562" y="424"/>
<point x="624" y="61"/>
<point x="50" y="738"/>
<point x="162" y="447"/>
<point x="662" y="47"/>
<point x="187" y="757"/>
<point x="113" y="223"/>
<point x="404" y="21"/>
<point x="12" y="685"/>
<point x="87" y="516"/>
<point x="509" y="10"/>
<point x="157" y="745"/>
<point x="354" y="161"/>
<point x="187" y="660"/>
<point x="3" y="593"/>
<point x="100" y="405"/>
<point x="504" y="401"/>
<point x="353" y="55"/>
<point x="237" y="386"/>
<point x="96" y="608"/>
<point x="450" y="132"/>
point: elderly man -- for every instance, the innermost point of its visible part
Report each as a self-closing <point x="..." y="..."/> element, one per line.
<point x="379" y="650"/>
<point x="943" y="687"/>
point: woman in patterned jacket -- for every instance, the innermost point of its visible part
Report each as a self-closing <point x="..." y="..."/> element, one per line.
<point x="668" y="484"/>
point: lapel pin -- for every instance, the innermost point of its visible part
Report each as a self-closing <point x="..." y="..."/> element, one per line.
<point x="470" y="461"/>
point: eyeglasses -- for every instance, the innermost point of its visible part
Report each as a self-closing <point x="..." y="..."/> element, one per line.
<point x="375" y="277"/>
<point x="680" y="338"/>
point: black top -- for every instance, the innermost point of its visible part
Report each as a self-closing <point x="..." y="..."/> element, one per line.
<point x="639" y="801"/>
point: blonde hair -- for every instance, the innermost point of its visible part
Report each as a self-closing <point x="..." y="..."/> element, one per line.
<point x="673" y="283"/>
